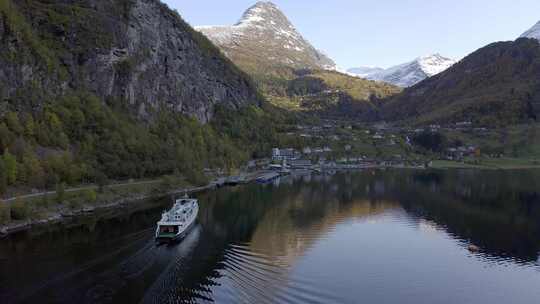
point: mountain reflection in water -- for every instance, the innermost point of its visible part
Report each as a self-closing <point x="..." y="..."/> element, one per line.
<point x="373" y="236"/>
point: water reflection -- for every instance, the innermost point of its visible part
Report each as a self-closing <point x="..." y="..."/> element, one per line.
<point x="303" y="239"/>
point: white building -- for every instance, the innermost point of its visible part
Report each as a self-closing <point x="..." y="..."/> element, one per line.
<point x="284" y="154"/>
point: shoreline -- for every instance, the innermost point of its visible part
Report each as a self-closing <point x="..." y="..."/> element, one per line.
<point x="61" y="217"/>
<point x="64" y="216"/>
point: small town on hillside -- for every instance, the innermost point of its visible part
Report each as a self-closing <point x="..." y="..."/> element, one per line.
<point x="335" y="145"/>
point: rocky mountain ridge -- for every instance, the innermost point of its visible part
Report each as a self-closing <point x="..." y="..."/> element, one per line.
<point x="137" y="51"/>
<point x="265" y="35"/>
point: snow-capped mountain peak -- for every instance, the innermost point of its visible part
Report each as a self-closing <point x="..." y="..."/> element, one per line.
<point x="407" y="74"/>
<point x="260" y="13"/>
<point x="534" y="32"/>
<point x="265" y="31"/>
<point x="434" y="64"/>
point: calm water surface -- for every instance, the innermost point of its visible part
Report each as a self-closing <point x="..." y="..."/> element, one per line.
<point x="366" y="237"/>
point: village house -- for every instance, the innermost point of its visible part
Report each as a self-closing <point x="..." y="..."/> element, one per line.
<point x="459" y="153"/>
<point x="284" y="154"/>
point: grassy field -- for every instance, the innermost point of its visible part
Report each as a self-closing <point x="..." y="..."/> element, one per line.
<point x="510" y="163"/>
<point x="448" y="164"/>
<point x="488" y="163"/>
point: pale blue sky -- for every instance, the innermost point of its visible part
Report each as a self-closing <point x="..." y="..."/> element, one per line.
<point x="384" y="32"/>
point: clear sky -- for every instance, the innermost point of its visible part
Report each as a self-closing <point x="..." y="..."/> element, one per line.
<point x="384" y="32"/>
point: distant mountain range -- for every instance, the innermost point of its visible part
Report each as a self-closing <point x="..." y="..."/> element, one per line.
<point x="265" y="36"/>
<point x="496" y="85"/>
<point x="364" y="71"/>
<point x="406" y="74"/>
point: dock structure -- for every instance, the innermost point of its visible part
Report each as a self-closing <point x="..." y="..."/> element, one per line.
<point x="267" y="177"/>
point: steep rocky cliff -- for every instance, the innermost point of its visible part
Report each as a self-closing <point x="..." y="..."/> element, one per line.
<point x="133" y="51"/>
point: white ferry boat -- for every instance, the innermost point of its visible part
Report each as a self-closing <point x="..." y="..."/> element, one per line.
<point x="176" y="223"/>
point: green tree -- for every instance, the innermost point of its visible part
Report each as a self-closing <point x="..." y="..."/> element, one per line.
<point x="10" y="164"/>
<point x="44" y="201"/>
<point x="89" y="196"/>
<point x="6" y="137"/>
<point x="5" y="213"/>
<point x="29" y="126"/>
<point x="43" y="134"/>
<point x="60" y="192"/>
<point x="34" y="174"/>
<point x="433" y="141"/>
<point x="13" y="123"/>
<point x="19" y="210"/>
<point x="53" y="122"/>
<point x="101" y="181"/>
<point x="3" y="177"/>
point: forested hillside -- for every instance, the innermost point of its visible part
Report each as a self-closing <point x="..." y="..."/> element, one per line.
<point x="331" y="93"/>
<point x="97" y="89"/>
<point x="136" y="51"/>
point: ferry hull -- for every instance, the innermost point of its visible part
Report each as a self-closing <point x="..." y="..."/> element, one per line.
<point x="177" y="237"/>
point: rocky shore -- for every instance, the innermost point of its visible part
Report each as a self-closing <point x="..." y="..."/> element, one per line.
<point x="66" y="215"/>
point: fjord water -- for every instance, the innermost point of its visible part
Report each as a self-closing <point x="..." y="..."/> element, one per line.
<point x="366" y="237"/>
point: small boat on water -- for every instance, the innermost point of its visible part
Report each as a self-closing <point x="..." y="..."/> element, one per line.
<point x="176" y="223"/>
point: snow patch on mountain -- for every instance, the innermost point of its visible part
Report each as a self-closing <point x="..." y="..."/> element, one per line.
<point x="434" y="64"/>
<point x="407" y="74"/>
<point x="364" y="71"/>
